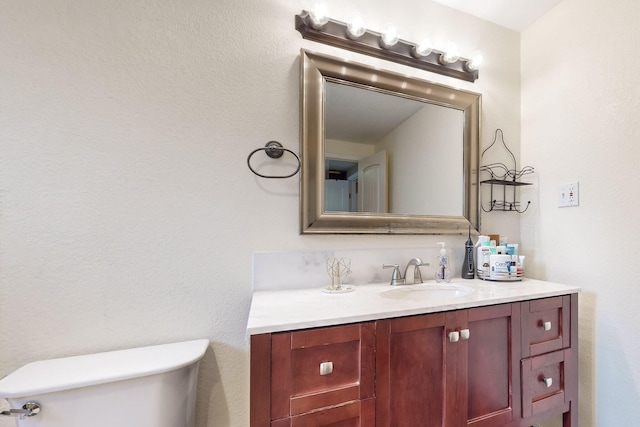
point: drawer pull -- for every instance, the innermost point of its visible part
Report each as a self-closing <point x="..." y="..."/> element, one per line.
<point x="454" y="336"/>
<point x="326" y="368"/>
<point x="465" y="334"/>
<point x="548" y="382"/>
<point x="546" y="326"/>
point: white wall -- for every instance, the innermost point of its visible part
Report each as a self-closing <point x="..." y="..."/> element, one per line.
<point x="580" y="123"/>
<point x="128" y="215"/>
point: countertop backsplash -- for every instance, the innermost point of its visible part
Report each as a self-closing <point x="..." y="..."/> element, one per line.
<point x="307" y="269"/>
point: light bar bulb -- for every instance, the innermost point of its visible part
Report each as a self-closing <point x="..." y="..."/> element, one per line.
<point x="475" y="61"/>
<point x="319" y="15"/>
<point x="422" y="49"/>
<point x="450" y="55"/>
<point x="355" y="27"/>
<point x="389" y="36"/>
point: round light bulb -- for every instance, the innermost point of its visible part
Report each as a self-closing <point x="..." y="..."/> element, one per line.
<point x="389" y="36"/>
<point x="475" y="61"/>
<point x="450" y="54"/>
<point x="422" y="49"/>
<point x="319" y="15"/>
<point x="355" y="27"/>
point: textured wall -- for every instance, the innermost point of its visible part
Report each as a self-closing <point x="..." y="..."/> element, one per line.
<point x="127" y="213"/>
<point x="580" y="123"/>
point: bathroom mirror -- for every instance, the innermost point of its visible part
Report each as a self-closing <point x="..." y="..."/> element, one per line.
<point x="384" y="153"/>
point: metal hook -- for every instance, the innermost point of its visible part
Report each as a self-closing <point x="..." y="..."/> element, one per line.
<point x="275" y="150"/>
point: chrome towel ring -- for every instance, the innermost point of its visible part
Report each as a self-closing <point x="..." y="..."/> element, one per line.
<point x="275" y="150"/>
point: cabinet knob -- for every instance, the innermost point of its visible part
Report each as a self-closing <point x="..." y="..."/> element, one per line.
<point x="546" y="326"/>
<point x="548" y="381"/>
<point x="454" y="336"/>
<point x="326" y="368"/>
<point x="465" y="334"/>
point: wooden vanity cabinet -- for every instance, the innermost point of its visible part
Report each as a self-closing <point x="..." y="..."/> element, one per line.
<point x="505" y="365"/>
<point x="449" y="369"/>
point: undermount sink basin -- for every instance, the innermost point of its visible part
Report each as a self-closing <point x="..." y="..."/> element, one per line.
<point x="428" y="291"/>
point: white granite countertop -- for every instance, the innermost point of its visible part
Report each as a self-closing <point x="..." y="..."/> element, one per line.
<point x="284" y="310"/>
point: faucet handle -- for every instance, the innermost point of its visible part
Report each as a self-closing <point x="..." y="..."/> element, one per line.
<point x="396" y="276"/>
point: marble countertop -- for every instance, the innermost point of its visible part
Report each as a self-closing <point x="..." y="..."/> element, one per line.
<point x="284" y="310"/>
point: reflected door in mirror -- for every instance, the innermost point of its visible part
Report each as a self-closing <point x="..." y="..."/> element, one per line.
<point x="357" y="186"/>
<point x="372" y="183"/>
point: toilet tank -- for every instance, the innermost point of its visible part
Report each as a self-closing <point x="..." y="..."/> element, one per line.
<point x="141" y="387"/>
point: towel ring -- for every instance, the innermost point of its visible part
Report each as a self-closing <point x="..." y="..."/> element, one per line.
<point x="275" y="150"/>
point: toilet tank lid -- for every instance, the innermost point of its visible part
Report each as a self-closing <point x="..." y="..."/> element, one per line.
<point x="66" y="373"/>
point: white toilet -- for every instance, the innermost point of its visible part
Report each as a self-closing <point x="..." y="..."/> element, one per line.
<point x="141" y="387"/>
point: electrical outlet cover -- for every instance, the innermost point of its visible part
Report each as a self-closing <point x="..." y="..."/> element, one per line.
<point x="568" y="195"/>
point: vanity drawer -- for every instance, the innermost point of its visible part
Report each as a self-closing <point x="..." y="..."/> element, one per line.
<point x="543" y="382"/>
<point x="354" y="414"/>
<point x="322" y="367"/>
<point x="546" y="325"/>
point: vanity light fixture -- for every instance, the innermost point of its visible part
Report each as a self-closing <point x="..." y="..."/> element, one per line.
<point x="386" y="45"/>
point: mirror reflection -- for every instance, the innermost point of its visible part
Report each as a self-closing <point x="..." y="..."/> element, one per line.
<point x="390" y="154"/>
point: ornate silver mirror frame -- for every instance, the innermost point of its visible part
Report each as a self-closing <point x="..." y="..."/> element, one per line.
<point x="315" y="70"/>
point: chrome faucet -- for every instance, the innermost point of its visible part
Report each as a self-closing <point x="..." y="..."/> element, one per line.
<point x="416" y="276"/>
<point x="412" y="274"/>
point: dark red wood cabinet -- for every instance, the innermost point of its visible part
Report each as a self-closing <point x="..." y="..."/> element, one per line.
<point x="314" y="378"/>
<point x="550" y="359"/>
<point x="509" y="365"/>
<point x="452" y="369"/>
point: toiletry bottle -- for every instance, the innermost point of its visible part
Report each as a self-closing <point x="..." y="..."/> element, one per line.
<point x="443" y="272"/>
<point x="486" y="264"/>
<point x="468" y="268"/>
<point x="482" y="261"/>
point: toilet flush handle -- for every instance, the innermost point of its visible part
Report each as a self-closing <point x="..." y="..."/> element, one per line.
<point x="29" y="409"/>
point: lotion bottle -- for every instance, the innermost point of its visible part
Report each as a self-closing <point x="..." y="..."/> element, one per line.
<point x="443" y="270"/>
<point x="482" y="260"/>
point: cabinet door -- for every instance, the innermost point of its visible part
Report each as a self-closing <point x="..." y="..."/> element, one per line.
<point x="493" y="365"/>
<point x="417" y="368"/>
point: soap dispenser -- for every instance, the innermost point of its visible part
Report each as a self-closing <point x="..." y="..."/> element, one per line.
<point x="443" y="270"/>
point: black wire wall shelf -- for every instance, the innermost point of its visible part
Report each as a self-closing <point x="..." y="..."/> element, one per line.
<point x="503" y="177"/>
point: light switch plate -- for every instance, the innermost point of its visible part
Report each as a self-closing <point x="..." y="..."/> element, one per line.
<point x="568" y="195"/>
